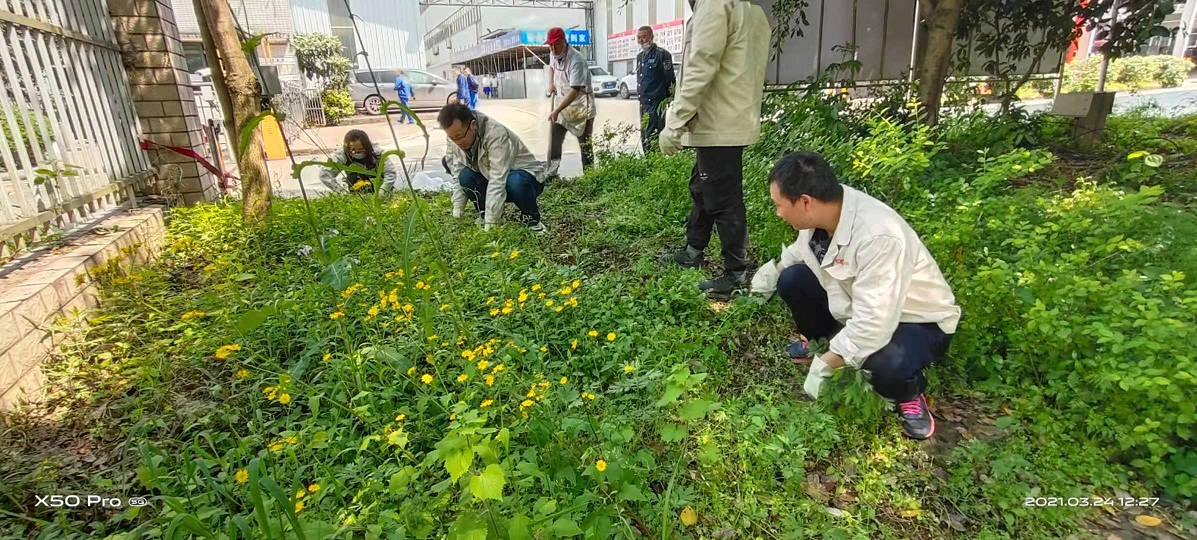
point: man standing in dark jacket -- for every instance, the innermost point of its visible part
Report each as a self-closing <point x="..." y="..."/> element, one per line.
<point x="654" y="78"/>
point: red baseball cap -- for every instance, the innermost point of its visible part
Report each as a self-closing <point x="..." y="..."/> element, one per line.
<point x="555" y="35"/>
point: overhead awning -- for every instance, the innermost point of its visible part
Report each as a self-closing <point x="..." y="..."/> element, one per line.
<point x="514" y="49"/>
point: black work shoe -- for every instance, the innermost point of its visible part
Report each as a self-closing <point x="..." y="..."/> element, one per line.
<point x="917" y="422"/>
<point x="683" y="257"/>
<point x="724" y="287"/>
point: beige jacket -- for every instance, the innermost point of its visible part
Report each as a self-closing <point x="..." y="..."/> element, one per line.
<point x="877" y="273"/>
<point x="496" y="152"/>
<point x="718" y="100"/>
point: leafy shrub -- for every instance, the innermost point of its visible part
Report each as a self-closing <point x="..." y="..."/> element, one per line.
<point x="1132" y="72"/>
<point x="337" y="104"/>
<point x="322" y="57"/>
<point x="1169" y="70"/>
<point x="25" y="140"/>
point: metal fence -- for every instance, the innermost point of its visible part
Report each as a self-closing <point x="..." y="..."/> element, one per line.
<point x="302" y="107"/>
<point x="70" y="148"/>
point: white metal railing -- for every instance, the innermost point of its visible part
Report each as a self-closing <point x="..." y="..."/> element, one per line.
<point x="70" y="136"/>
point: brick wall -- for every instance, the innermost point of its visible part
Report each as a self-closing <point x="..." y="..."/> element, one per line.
<point x="160" y="86"/>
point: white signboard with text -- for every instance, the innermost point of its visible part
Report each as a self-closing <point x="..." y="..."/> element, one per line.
<point x="668" y="35"/>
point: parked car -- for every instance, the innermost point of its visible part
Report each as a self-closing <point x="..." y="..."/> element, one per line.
<point x="627" y="85"/>
<point x="602" y="83"/>
<point x="431" y="92"/>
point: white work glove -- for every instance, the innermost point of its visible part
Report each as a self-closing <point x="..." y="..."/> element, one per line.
<point x="670" y="141"/>
<point x="486" y="227"/>
<point x="819" y="373"/>
<point x="458" y="208"/>
<point x="764" y="281"/>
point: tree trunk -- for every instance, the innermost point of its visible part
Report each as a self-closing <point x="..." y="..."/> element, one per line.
<point x="941" y="17"/>
<point x="241" y="87"/>
<point x="218" y="85"/>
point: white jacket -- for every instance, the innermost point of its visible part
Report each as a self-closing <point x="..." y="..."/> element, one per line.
<point x="877" y="273"/>
<point x="496" y="152"/>
<point x="718" y="100"/>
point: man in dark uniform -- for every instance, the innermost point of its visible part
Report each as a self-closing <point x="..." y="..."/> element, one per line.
<point x="654" y="78"/>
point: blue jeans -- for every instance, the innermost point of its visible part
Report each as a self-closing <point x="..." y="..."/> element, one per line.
<point x="897" y="369"/>
<point x="403" y="116"/>
<point x="473" y="100"/>
<point x="522" y="189"/>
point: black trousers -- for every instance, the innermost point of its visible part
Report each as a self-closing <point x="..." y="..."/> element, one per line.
<point x="557" y="138"/>
<point x="717" y="190"/>
<point x="897" y="369"/>
<point x="652" y="125"/>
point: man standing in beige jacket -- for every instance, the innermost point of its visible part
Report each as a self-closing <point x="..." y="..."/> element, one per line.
<point x="717" y="111"/>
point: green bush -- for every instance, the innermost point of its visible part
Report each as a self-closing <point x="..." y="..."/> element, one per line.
<point x="1169" y="70"/>
<point x="24" y="140"/>
<point x="1132" y="72"/>
<point x="337" y="104"/>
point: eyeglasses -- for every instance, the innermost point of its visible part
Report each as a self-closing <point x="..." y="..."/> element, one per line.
<point x="464" y="134"/>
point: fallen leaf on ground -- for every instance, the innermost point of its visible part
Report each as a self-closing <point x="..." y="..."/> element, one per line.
<point x="689" y="517"/>
<point x="1148" y="521"/>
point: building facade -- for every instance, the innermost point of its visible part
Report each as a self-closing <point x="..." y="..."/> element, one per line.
<point x="390" y="30"/>
<point x="616" y="22"/>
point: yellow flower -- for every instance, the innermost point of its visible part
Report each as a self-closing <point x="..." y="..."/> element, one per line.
<point x="299" y="504"/>
<point x="284" y="399"/>
<point x="336" y="315"/>
<point x="419" y="284"/>
<point x="490" y="380"/>
<point x="588" y="395"/>
<point x="276" y="446"/>
<point x="313" y="488"/>
<point x="573" y="345"/>
<point x="463" y="378"/>
<point x="526" y="403"/>
<point x="359" y="186"/>
<point x="483" y="364"/>
<point x="227" y="351"/>
<point x="514" y="254"/>
<point x="628" y="369"/>
<point x="523" y="297"/>
<point x="242" y="476"/>
<point x="600" y="465"/>
<point x="564" y="380"/>
<point x="592" y="333"/>
<point x="572" y="302"/>
<point x="433" y="337"/>
<point x="426" y="379"/>
<point x="535" y="287"/>
<point x="486" y="403"/>
<point x="544" y="349"/>
<point x="498" y="368"/>
<point x="444" y="307"/>
<point x="566" y="290"/>
<point x="507" y="310"/>
<point x="327" y="357"/>
<point x="610" y="336"/>
<point x="494" y="312"/>
<point x="577" y="283"/>
<point x="548" y="303"/>
<point x="400" y="417"/>
<point x="494" y="255"/>
<point x="540" y="296"/>
<point x="411" y="371"/>
<point x="559" y="308"/>
<point x="191" y="315"/>
<point x="490" y="300"/>
<point x="242" y="373"/>
<point x="300" y="493"/>
<point x="452" y="417"/>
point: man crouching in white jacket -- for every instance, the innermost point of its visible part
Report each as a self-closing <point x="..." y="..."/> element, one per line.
<point x="492" y="166"/>
<point x="859" y="276"/>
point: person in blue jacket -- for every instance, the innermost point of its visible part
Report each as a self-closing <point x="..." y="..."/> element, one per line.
<point x="463" y="86"/>
<point x="405" y="90"/>
<point x="473" y="86"/>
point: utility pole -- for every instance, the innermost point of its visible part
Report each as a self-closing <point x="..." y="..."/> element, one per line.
<point x="241" y="91"/>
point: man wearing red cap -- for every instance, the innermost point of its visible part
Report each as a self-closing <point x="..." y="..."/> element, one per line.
<point x="573" y="102"/>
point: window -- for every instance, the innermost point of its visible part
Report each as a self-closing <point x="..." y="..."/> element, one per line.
<point x="365" y="78"/>
<point x="595" y="70"/>
<point x="419" y="77"/>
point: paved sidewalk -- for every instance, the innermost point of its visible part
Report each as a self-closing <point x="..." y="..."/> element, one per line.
<point x="528" y="118"/>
